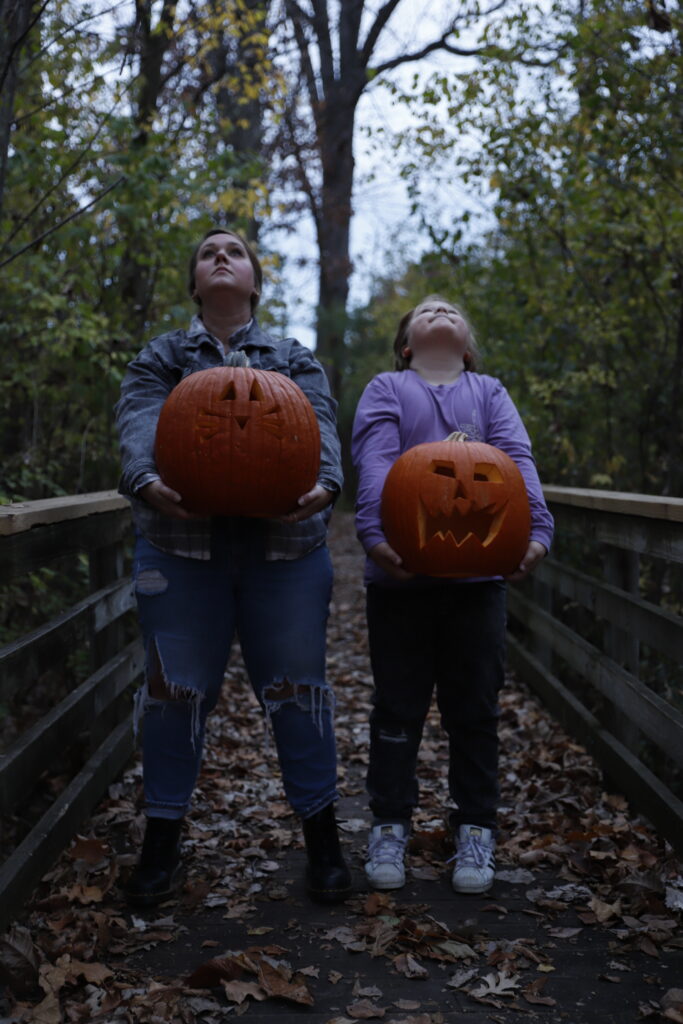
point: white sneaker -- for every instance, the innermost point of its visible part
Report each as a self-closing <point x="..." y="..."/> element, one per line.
<point x="475" y="862"/>
<point x="386" y="850"/>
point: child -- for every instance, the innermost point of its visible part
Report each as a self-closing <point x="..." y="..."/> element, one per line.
<point x="200" y="580"/>
<point x="425" y="631"/>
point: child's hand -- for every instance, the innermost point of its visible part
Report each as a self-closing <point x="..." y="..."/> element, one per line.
<point x="308" y="504"/>
<point x="387" y="559"/>
<point x="534" y="554"/>
<point x="165" y="500"/>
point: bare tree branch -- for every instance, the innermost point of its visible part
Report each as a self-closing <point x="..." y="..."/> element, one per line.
<point x="66" y="220"/>
<point x="297" y="16"/>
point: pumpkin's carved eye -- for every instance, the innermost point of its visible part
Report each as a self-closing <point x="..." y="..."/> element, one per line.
<point x="488" y="473"/>
<point x="229" y="395"/>
<point x="256" y="392"/>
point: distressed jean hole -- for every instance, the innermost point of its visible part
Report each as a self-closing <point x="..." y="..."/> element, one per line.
<point x="151" y="582"/>
<point x="157" y="684"/>
<point x="280" y="691"/>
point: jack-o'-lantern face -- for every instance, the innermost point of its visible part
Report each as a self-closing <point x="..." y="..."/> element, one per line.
<point x="456" y="508"/>
<point x="458" y="503"/>
<point x="238" y="441"/>
<point x="242" y="406"/>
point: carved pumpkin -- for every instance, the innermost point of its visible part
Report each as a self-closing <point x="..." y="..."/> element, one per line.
<point x="455" y="508"/>
<point x="236" y="441"/>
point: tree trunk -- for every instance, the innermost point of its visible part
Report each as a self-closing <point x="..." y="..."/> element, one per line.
<point x="15" y="18"/>
<point x="333" y="235"/>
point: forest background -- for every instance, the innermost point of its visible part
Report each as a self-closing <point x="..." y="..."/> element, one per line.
<point x="127" y="129"/>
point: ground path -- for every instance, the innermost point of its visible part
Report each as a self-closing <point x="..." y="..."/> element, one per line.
<point x="582" y="925"/>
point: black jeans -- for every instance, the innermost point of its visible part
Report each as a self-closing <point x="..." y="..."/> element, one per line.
<point x="451" y="635"/>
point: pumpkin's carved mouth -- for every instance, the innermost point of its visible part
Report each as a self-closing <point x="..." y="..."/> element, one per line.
<point x="464" y="521"/>
<point x="452" y="517"/>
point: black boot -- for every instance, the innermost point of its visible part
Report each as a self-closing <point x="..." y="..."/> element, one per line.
<point x="158" y="871"/>
<point x="327" y="877"/>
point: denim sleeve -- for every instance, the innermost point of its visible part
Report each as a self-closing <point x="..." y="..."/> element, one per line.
<point x="147" y="382"/>
<point x="307" y="372"/>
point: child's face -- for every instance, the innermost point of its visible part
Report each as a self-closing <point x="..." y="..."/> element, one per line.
<point x="438" y="322"/>
<point x="223" y="264"/>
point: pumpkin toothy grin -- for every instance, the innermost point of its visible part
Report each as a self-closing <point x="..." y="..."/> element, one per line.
<point x="464" y="521"/>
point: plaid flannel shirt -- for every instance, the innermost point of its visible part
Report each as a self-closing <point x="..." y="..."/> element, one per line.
<point x="152" y="375"/>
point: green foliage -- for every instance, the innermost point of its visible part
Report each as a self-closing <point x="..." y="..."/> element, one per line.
<point x="577" y="293"/>
<point x="118" y="179"/>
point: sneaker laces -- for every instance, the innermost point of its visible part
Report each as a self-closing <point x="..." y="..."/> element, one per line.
<point x="387" y="849"/>
<point x="472" y="853"/>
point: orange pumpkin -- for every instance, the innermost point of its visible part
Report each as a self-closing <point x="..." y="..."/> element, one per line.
<point x="455" y="509"/>
<point x="236" y="441"/>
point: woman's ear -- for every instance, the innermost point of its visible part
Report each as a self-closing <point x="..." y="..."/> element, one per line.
<point x="406" y="351"/>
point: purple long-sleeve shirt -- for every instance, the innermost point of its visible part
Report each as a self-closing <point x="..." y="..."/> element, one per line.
<point x="399" y="410"/>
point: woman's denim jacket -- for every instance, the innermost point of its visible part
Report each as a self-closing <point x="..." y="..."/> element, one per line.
<point x="150" y="377"/>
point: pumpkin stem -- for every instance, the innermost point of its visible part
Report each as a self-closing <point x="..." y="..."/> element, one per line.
<point x="457" y="435"/>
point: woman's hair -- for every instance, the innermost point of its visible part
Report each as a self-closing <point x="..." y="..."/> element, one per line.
<point x="253" y="259"/>
<point x="402" y="362"/>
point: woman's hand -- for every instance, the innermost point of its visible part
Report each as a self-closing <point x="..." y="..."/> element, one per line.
<point x="165" y="500"/>
<point x="534" y="554"/>
<point x="313" y="501"/>
<point x="389" y="561"/>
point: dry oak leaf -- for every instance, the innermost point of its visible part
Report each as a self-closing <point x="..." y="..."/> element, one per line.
<point x="238" y="991"/>
<point x="408" y="965"/>
<point x="496" y="985"/>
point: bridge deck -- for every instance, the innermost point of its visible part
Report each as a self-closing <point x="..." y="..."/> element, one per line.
<point x="581" y="926"/>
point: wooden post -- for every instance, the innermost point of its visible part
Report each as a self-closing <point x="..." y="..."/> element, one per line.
<point x="106" y="566"/>
<point x="622" y="569"/>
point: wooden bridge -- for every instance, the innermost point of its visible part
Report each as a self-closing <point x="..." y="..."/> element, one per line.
<point x="596" y="635"/>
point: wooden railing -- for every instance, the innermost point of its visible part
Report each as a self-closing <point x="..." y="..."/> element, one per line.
<point x="93" y="719"/>
<point x="597" y="633"/>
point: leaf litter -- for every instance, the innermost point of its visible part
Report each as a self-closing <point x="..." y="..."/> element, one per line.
<point x="69" y="958"/>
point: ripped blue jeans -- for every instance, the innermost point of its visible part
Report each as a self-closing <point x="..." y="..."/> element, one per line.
<point x="189" y="612"/>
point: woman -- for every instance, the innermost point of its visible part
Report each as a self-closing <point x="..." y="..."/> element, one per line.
<point x="198" y="581"/>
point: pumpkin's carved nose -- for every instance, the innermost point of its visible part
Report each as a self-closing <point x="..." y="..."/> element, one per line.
<point x="241" y="421"/>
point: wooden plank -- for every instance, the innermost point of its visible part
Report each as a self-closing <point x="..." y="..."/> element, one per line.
<point x="654" y="626"/>
<point x="37" y="853"/>
<point x="30" y="550"/>
<point x="26" y="658"/>
<point x="619" y="502"/>
<point x="35" y="750"/>
<point x="22" y="516"/>
<point x="655" y="717"/>
<point x="643" y="789"/>
<point x="657" y="538"/>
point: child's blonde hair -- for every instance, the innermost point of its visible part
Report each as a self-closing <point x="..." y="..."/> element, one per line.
<point x="401" y="362"/>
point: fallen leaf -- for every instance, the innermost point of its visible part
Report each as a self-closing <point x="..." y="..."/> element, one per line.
<point x="498" y="984"/>
<point x="363" y="1009"/>
<point x="408" y="965"/>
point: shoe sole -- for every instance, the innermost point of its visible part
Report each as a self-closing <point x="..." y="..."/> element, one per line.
<point x="329" y="895"/>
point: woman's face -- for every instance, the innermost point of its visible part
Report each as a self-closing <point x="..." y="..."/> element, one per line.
<point x="223" y="267"/>
<point x="437" y="322"/>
